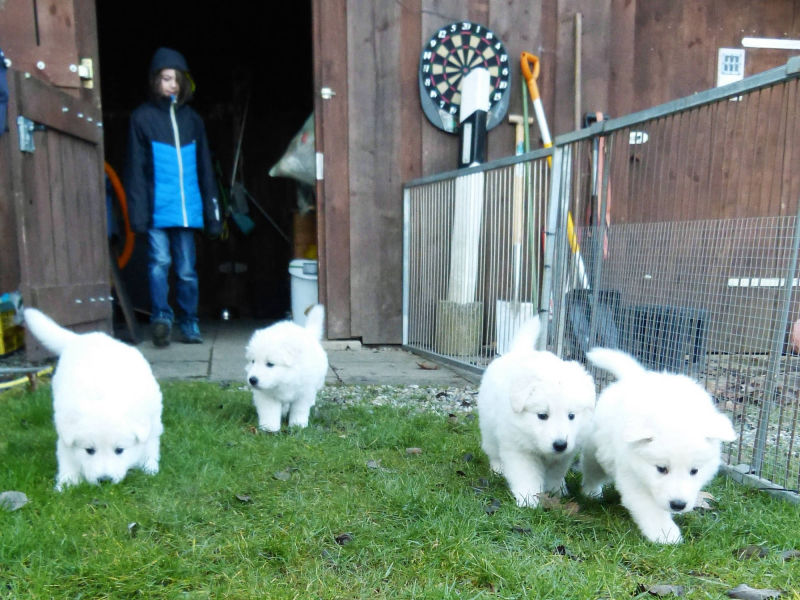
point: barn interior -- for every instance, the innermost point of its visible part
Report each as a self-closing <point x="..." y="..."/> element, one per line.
<point x="252" y="64"/>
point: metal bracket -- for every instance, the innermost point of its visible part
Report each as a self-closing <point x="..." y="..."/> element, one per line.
<point x="25" y="129"/>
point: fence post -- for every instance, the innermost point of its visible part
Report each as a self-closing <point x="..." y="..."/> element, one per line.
<point x="778" y="338"/>
<point x="406" y="260"/>
<point x="549" y="245"/>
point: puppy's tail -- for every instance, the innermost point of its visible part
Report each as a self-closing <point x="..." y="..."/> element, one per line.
<point x="618" y="363"/>
<point x="526" y="336"/>
<point x="315" y="319"/>
<point x="52" y="335"/>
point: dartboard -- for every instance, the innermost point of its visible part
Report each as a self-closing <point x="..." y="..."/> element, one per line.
<point x="449" y="55"/>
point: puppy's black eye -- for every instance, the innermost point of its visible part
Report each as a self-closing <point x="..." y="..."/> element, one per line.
<point x="571" y="416"/>
<point x="119" y="450"/>
<point x="662" y="470"/>
<point x="270" y="365"/>
<point x="693" y="471"/>
<point x="90" y="451"/>
<point x="543" y="416"/>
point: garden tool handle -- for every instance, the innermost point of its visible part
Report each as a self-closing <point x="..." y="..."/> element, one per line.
<point x="527" y="59"/>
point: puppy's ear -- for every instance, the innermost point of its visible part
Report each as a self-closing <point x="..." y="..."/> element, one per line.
<point x="141" y="429"/>
<point x="638" y="434"/>
<point x="70" y="428"/>
<point x="719" y="428"/>
<point x="520" y="397"/>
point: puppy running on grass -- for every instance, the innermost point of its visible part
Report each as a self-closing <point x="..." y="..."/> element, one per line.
<point x="286" y="368"/>
<point x="533" y="410"/>
<point x="106" y="404"/>
<point x="657" y="437"/>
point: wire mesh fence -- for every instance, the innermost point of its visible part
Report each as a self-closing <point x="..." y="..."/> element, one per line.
<point x="671" y="234"/>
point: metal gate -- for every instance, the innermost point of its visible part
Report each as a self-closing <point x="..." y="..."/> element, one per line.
<point x="693" y="268"/>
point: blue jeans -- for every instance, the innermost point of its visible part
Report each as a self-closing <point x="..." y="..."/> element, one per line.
<point x="166" y="246"/>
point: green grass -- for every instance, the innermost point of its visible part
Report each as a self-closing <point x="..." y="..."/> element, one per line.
<point x="238" y="514"/>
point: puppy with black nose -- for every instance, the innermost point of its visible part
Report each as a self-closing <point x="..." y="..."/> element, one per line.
<point x="534" y="411"/>
<point x="286" y="368"/>
<point x="106" y="405"/>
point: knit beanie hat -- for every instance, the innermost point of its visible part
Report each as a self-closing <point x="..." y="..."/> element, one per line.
<point x="167" y="58"/>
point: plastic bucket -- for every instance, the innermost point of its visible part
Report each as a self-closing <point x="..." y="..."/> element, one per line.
<point x="303" y="275"/>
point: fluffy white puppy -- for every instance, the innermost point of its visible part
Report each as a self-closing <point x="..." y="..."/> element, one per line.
<point x="106" y="404"/>
<point x="533" y="410"/>
<point x="286" y="367"/>
<point x="657" y="437"/>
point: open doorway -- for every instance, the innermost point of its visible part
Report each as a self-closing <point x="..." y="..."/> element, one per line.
<point x="252" y="65"/>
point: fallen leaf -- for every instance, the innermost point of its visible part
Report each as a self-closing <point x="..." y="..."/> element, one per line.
<point x="564" y="551"/>
<point x="550" y="502"/>
<point x="468" y="457"/>
<point x="461" y="473"/>
<point x="427" y="366"/>
<point x="243" y="498"/>
<point x="493" y="507"/>
<point x="704" y="500"/>
<point x="413" y="450"/>
<point x="745" y="592"/>
<point x="133" y="529"/>
<point x="790" y="555"/>
<point x="751" y="551"/>
<point x="376" y="464"/>
<point x="522" y="530"/>
<point x="284" y="475"/>
<point x="663" y="590"/>
<point x="12" y="500"/>
<point x="343" y="538"/>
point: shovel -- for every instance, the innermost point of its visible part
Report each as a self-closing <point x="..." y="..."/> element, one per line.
<point x="511" y="314"/>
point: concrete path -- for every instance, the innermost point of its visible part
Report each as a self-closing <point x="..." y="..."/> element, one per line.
<point x="221" y="358"/>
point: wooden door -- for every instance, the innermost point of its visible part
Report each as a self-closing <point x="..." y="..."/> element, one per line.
<point x="52" y="179"/>
<point x="333" y="188"/>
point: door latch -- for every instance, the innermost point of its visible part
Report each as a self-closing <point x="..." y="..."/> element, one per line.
<point x="327" y="93"/>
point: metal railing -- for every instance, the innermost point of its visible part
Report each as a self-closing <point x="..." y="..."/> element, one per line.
<point x="695" y="272"/>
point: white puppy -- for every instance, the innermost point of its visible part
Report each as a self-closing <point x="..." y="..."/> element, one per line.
<point x="286" y="367"/>
<point x="533" y="409"/>
<point x="657" y="436"/>
<point x="106" y="404"/>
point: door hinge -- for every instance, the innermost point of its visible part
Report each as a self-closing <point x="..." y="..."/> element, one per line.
<point x="86" y="72"/>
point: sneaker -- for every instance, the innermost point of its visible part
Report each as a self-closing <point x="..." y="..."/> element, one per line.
<point x="161" y="333"/>
<point x="190" y="333"/>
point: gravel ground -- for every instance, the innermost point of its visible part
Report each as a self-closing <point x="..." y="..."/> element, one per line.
<point x="443" y="401"/>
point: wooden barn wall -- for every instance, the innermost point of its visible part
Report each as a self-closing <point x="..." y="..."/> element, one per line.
<point x="635" y="54"/>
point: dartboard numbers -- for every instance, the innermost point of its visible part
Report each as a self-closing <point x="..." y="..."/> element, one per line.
<point x="447" y="57"/>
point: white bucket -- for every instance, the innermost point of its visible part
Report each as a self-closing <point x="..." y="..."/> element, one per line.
<point x="304" y="288"/>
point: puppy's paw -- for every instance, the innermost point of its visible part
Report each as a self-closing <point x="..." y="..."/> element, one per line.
<point x="64" y="481"/>
<point x="593" y="491"/>
<point x="527" y="500"/>
<point x="665" y="532"/>
<point x="150" y="467"/>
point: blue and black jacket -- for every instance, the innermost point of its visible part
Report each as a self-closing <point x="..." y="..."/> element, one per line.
<point x="169" y="178"/>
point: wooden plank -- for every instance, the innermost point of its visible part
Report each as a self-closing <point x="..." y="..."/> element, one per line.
<point x="64" y="225"/>
<point x="376" y="140"/>
<point x="75" y="303"/>
<point x="59" y="110"/>
<point x="329" y="23"/>
<point x="42" y="41"/>
<point x="9" y="258"/>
